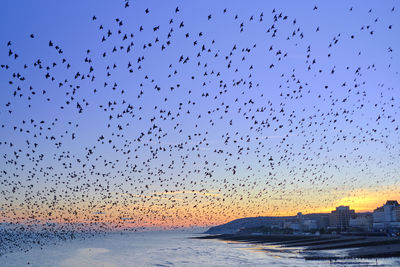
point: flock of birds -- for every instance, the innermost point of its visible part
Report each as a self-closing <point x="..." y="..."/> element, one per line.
<point x="178" y="123"/>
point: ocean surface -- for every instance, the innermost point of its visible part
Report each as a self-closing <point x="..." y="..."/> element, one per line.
<point x="166" y="248"/>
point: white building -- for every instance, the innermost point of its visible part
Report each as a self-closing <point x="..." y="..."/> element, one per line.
<point x="310" y="224"/>
<point x="292" y="225"/>
<point x="361" y="221"/>
<point x="387" y="216"/>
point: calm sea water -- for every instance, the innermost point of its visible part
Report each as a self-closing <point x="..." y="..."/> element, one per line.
<point x="167" y="248"/>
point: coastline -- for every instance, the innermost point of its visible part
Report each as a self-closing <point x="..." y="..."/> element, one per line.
<point x="313" y="247"/>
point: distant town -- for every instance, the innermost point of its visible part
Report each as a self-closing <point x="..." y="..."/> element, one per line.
<point x="384" y="220"/>
<point x="350" y="234"/>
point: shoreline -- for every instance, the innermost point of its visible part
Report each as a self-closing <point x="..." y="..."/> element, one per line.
<point x="361" y="247"/>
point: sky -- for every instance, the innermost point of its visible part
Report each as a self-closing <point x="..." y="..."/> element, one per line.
<point x="177" y="113"/>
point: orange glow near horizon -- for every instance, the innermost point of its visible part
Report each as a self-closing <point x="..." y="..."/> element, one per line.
<point x="172" y="209"/>
<point x="367" y="200"/>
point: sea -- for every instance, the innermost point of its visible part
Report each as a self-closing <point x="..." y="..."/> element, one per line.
<point x="167" y="248"/>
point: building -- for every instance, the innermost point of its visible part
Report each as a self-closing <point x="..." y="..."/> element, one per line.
<point x="387" y="216"/>
<point x="340" y="218"/>
<point x="310" y="225"/>
<point x="361" y="221"/>
<point x="321" y="219"/>
<point x="301" y="223"/>
<point x="292" y="225"/>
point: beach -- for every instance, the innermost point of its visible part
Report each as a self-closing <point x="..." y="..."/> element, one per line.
<point x="323" y="247"/>
<point x="181" y="248"/>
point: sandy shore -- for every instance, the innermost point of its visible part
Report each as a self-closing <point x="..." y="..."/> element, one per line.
<point x="312" y="247"/>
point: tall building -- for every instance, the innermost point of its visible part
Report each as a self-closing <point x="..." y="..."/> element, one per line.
<point x="340" y="217"/>
<point x="387" y="216"/>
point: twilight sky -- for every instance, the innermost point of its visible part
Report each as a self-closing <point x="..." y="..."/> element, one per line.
<point x="177" y="113"/>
